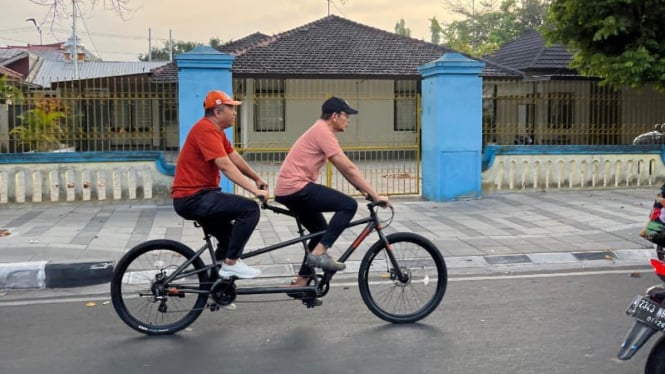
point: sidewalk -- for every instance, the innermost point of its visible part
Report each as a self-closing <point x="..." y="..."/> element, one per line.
<point x="66" y="245"/>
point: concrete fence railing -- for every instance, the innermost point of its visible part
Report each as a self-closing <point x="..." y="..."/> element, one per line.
<point x="102" y="176"/>
<point x="543" y="168"/>
<point x="89" y="176"/>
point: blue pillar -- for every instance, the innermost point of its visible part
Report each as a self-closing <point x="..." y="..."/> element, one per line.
<point x="451" y="134"/>
<point x="200" y="71"/>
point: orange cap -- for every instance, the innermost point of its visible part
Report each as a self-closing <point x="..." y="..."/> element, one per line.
<point x="216" y="98"/>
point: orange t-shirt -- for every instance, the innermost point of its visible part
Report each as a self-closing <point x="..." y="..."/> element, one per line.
<point x="195" y="169"/>
<point x="303" y="163"/>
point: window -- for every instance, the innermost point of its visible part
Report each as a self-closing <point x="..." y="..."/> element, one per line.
<point x="560" y="110"/>
<point x="406" y="105"/>
<point x="269" y="106"/>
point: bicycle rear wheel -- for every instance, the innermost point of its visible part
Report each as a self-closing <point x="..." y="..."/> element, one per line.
<point x="416" y="295"/>
<point x="143" y="298"/>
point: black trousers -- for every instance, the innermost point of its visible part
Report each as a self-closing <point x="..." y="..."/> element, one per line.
<point x="229" y="218"/>
<point x="309" y="204"/>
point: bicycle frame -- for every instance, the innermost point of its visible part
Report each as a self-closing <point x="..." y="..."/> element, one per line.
<point x="372" y="224"/>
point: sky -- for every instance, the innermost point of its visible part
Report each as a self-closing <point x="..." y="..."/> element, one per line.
<point x="116" y="38"/>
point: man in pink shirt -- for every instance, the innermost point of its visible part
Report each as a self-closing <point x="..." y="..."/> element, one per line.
<point x="297" y="189"/>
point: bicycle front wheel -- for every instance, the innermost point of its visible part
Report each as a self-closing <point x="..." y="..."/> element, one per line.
<point x="146" y="300"/>
<point x="417" y="293"/>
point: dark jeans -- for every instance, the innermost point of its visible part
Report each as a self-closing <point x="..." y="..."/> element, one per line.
<point x="229" y="218"/>
<point x="309" y="204"/>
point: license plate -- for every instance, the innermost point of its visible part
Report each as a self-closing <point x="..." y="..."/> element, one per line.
<point x="647" y="311"/>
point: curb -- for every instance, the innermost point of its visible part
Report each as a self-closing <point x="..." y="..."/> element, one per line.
<point x="46" y="274"/>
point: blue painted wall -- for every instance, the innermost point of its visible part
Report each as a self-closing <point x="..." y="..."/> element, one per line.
<point x="451" y="133"/>
<point x="200" y="71"/>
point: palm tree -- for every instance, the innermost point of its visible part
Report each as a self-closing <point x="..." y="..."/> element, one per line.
<point x="39" y="130"/>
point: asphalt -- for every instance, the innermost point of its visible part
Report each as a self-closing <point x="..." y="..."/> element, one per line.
<point x="71" y="245"/>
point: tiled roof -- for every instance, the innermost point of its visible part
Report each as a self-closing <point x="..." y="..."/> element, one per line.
<point x="335" y="46"/>
<point x="332" y="47"/>
<point x="236" y="46"/>
<point x="530" y="54"/>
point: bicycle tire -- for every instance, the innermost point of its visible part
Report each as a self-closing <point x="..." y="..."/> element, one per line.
<point x="403" y="301"/>
<point x="152" y="308"/>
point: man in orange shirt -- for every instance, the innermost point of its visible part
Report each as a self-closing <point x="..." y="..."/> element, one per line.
<point x="196" y="193"/>
<point x="297" y="189"/>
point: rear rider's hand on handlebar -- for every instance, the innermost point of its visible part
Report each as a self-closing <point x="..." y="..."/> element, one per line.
<point x="382" y="201"/>
<point x="262" y="194"/>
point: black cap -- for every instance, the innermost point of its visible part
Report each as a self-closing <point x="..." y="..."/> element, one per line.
<point x="337" y="105"/>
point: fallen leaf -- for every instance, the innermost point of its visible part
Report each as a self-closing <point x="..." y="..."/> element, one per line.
<point x="90" y="304"/>
<point x="4" y="232"/>
<point x="635" y="275"/>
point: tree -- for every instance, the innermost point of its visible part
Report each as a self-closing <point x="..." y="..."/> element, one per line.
<point x="435" y="29"/>
<point x="162" y="54"/>
<point x="166" y="52"/>
<point x="401" y="29"/>
<point x="619" y="41"/>
<point x="488" y="25"/>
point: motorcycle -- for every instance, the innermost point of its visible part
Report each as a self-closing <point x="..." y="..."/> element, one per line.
<point x="649" y="313"/>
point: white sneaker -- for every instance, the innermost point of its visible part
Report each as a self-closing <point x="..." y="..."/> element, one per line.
<point x="232" y="306"/>
<point x="239" y="270"/>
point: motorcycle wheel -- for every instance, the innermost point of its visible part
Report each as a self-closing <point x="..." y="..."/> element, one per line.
<point x="656" y="360"/>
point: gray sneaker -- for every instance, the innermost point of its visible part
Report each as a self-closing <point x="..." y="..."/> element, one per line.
<point x="325" y="262"/>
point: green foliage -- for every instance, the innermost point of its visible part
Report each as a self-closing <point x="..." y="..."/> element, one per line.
<point x="619" y="41"/>
<point x="436" y="30"/>
<point x="487" y="28"/>
<point x="162" y="54"/>
<point x="401" y="29"/>
<point x="39" y="130"/>
<point x="9" y="92"/>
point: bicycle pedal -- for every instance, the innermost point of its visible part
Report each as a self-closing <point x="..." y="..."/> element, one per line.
<point x="311" y="303"/>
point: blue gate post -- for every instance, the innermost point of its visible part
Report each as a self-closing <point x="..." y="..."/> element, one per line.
<point x="199" y="71"/>
<point x="451" y="135"/>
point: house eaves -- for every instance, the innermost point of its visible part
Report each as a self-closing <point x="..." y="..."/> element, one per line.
<point x="9" y="73"/>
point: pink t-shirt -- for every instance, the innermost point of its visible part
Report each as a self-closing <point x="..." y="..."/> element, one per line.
<point x="305" y="159"/>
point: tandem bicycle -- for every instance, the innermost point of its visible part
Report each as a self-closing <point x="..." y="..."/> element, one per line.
<point x="162" y="286"/>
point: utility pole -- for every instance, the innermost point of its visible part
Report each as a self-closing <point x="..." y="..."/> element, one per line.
<point x="75" y="54"/>
<point x="149" y="44"/>
<point x="170" y="47"/>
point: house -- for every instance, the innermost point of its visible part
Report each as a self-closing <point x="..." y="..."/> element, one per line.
<point x="282" y="80"/>
<point x="110" y="105"/>
<point x="552" y="104"/>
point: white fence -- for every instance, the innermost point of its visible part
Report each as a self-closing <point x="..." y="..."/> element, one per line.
<point x="82" y="181"/>
<point x="558" y="171"/>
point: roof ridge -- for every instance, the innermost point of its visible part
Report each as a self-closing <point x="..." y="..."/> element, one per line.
<point x="542" y="49"/>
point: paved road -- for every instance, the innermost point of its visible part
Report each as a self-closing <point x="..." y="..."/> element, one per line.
<point x="558" y="323"/>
